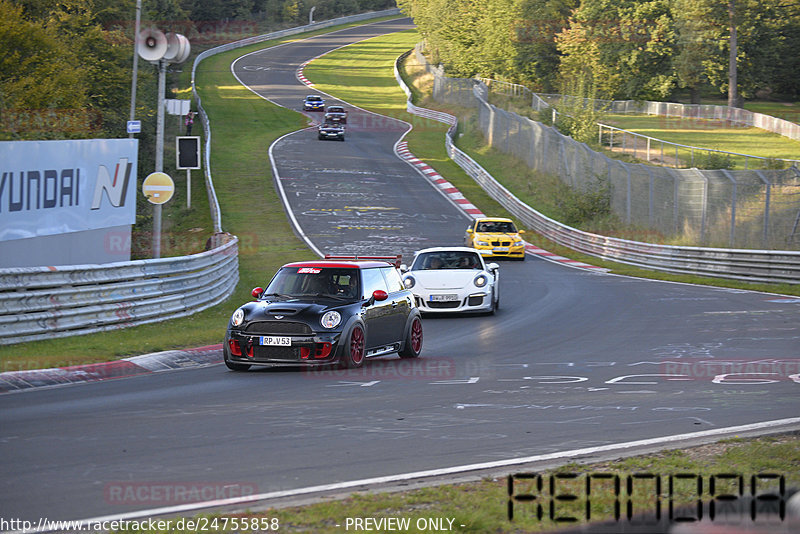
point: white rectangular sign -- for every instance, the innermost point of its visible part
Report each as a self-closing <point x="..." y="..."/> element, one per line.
<point x="58" y="187"/>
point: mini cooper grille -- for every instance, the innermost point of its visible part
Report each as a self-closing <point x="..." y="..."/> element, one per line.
<point x="275" y="353"/>
<point x="267" y="328"/>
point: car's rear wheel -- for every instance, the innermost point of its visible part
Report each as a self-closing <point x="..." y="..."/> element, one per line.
<point x="354" y="350"/>
<point x="413" y="344"/>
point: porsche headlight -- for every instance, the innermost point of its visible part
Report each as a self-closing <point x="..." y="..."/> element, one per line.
<point x="331" y="319"/>
<point x="238" y="317"/>
<point x="409" y="282"/>
<point x="480" y="280"/>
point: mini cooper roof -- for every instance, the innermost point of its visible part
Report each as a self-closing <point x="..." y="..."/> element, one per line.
<point x="352" y="262"/>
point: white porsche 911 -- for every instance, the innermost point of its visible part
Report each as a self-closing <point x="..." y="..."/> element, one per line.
<point x="453" y="279"/>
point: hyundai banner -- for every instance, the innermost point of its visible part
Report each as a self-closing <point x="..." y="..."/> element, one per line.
<point x="58" y="187"/>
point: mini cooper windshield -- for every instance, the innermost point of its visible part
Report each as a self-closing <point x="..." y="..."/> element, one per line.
<point x="303" y="282"/>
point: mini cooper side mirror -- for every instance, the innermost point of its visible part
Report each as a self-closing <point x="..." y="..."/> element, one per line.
<point x="257" y="291"/>
<point x="377" y="295"/>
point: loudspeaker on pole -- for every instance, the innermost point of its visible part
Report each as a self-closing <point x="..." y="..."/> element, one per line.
<point x="152" y="44"/>
<point x="178" y="48"/>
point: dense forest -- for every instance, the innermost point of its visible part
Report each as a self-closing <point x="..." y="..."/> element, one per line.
<point x="66" y="65"/>
<point x="624" y="49"/>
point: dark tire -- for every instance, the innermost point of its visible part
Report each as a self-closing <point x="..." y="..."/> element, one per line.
<point x="353" y="354"/>
<point x="413" y="343"/>
<point x="232" y="365"/>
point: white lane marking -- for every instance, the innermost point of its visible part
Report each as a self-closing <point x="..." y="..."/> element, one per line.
<point x="432" y="473"/>
<point x="470" y="380"/>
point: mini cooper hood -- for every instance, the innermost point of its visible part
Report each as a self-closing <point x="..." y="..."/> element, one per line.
<point x="445" y="278"/>
<point x="288" y="308"/>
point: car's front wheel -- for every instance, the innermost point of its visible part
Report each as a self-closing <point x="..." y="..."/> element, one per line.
<point x="353" y="355"/>
<point x="413" y="344"/>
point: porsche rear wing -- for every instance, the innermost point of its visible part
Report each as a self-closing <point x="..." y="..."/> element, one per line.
<point x="394" y="260"/>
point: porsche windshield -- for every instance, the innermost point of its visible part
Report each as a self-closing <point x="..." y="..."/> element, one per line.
<point x="447" y="260"/>
<point x="315" y="282"/>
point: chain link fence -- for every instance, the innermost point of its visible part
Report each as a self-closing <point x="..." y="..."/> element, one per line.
<point x="719" y="208"/>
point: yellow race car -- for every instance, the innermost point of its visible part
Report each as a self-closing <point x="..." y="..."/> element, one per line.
<point x="495" y="237"/>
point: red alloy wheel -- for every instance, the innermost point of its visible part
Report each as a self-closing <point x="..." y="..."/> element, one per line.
<point x="357" y="346"/>
<point x="416" y="335"/>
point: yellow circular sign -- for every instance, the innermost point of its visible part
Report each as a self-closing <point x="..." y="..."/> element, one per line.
<point x="158" y="187"/>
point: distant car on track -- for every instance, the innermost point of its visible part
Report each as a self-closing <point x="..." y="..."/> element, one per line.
<point x="495" y="237"/>
<point x="338" y="310"/>
<point x="331" y="130"/>
<point x="314" y="103"/>
<point x="336" y="114"/>
<point x="453" y="279"/>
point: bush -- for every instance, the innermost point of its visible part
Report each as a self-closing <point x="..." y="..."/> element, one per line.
<point x="715" y="160"/>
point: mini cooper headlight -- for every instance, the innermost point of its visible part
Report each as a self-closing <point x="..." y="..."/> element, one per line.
<point x="480" y="280"/>
<point x="331" y="319"/>
<point x="238" y="317"/>
<point x="409" y="282"/>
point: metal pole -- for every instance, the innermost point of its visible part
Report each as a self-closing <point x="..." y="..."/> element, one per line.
<point x="135" y="62"/>
<point x="162" y="75"/>
<point x="188" y="188"/>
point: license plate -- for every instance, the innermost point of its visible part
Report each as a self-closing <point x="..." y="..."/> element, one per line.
<point x="276" y="341"/>
<point x="444" y="298"/>
<point x="501" y="249"/>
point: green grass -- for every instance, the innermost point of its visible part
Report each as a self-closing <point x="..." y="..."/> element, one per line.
<point x="789" y="111"/>
<point x="709" y="134"/>
<point x="482" y="506"/>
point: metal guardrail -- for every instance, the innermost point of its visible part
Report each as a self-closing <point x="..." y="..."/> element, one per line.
<point x="51" y="302"/>
<point x="740" y="264"/>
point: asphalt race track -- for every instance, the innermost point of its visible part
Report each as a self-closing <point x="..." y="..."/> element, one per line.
<point x="573" y="359"/>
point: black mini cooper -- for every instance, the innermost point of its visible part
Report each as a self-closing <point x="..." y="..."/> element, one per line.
<point x="340" y="310"/>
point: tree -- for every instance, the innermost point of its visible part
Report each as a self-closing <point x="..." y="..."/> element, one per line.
<point x="536" y="57"/>
<point x="37" y="71"/>
<point x="626" y="45"/>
